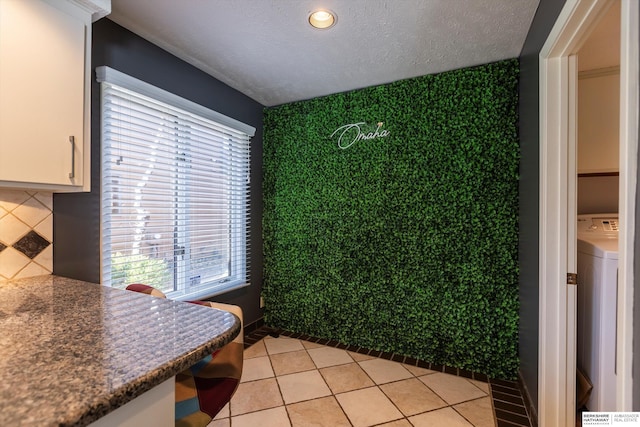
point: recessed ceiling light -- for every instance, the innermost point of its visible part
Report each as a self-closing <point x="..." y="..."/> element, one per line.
<point x="322" y="18"/>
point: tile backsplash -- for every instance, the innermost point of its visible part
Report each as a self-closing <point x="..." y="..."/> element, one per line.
<point x="26" y="234"/>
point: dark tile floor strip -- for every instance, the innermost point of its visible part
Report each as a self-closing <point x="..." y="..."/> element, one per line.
<point x="503" y="423"/>
<point x="508" y="403"/>
<point x="527" y="402"/>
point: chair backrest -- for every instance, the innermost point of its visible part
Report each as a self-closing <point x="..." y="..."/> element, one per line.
<point x="205" y="388"/>
<point x="146" y="289"/>
<point x="226" y="307"/>
<point x="150" y="290"/>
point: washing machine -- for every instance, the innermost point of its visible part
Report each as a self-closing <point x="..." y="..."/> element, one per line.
<point x="597" y="306"/>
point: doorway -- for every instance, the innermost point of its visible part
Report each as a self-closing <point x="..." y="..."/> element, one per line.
<point x="557" y="216"/>
<point x="598" y="159"/>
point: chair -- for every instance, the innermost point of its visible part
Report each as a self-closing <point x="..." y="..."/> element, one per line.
<point x="204" y="388"/>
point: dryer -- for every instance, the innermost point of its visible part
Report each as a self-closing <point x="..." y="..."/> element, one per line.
<point x="597" y="306"/>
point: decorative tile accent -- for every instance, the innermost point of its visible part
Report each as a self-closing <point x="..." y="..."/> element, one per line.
<point x="31" y="270"/>
<point x="45" y="228"/>
<point x="11" y="199"/>
<point x="11" y="262"/>
<point x="11" y="229"/>
<point x="45" y="199"/>
<point x="26" y="234"/>
<point x="32" y="212"/>
<point x="45" y="257"/>
<point x="31" y="244"/>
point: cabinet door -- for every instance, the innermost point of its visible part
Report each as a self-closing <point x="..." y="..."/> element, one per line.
<point x="42" y="67"/>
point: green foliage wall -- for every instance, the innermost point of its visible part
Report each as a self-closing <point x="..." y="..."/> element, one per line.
<point x="405" y="242"/>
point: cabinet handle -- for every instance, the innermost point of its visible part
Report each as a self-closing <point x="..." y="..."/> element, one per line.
<point x="72" y="140"/>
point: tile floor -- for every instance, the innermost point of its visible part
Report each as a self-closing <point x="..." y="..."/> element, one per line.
<point x="293" y="382"/>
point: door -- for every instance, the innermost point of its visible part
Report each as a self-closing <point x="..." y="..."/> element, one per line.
<point x="557" y="324"/>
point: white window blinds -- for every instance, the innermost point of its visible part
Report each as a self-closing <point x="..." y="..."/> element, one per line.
<point x="175" y="191"/>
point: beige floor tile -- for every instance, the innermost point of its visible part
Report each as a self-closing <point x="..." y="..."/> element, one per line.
<point x="345" y="378"/>
<point x="224" y="412"/>
<point x="451" y="388"/>
<point x="417" y="371"/>
<point x="309" y="344"/>
<point x="442" y="417"/>
<point x="291" y="362"/>
<point x="368" y="407"/>
<point x="479" y="412"/>
<point x="291" y="382"/>
<point x="225" y="422"/>
<point x="358" y="357"/>
<point x="256" y="368"/>
<point x="282" y="345"/>
<point x="329" y="356"/>
<point x="482" y="386"/>
<point x="399" y="423"/>
<point x="302" y="386"/>
<point x="318" y="413"/>
<point x="412" y="396"/>
<point x="256" y="350"/>
<point x="276" y="417"/>
<point x="385" y="371"/>
<point x="256" y="396"/>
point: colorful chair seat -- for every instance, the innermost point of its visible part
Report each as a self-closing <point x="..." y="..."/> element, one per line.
<point x="206" y="387"/>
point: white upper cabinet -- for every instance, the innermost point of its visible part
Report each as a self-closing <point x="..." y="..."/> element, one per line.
<point x="45" y="94"/>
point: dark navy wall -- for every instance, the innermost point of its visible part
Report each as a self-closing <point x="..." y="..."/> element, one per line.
<point x="77" y="216"/>
<point x="545" y="17"/>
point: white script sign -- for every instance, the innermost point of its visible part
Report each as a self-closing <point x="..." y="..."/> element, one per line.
<point x="352" y="133"/>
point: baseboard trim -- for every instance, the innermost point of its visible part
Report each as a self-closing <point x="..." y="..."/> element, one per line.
<point x="254" y="326"/>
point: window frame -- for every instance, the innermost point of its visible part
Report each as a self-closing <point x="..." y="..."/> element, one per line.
<point x="239" y="236"/>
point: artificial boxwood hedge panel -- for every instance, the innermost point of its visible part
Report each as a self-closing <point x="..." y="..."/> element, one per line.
<point x="405" y="242"/>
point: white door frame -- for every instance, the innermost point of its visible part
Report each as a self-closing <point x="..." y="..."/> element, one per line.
<point x="629" y="57"/>
<point x="557" y="220"/>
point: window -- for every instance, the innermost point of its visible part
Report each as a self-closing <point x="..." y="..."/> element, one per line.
<point x="175" y="191"/>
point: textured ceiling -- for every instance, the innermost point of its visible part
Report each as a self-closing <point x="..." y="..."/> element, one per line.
<point x="267" y="50"/>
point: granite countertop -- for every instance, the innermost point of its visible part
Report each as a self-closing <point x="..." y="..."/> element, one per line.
<point x="72" y="351"/>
